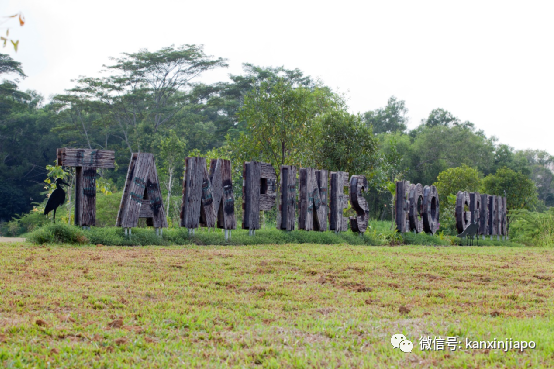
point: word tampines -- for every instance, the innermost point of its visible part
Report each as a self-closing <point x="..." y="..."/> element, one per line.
<point x="314" y="199"/>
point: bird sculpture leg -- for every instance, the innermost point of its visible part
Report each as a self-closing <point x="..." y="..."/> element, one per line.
<point x="55" y="216"/>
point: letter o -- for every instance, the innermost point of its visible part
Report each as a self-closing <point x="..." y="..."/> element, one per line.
<point x="431" y="211"/>
<point x="463" y="218"/>
<point x="416" y="208"/>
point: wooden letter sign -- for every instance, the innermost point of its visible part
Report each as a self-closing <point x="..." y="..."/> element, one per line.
<point x="222" y="192"/>
<point x="358" y="184"/>
<point x="287" y="206"/>
<point x="85" y="162"/>
<point x="259" y="192"/>
<point x="142" y="197"/>
<point x="491" y="202"/>
<point x="431" y="209"/>
<point x="415" y="194"/>
<point x="484" y="216"/>
<point x="401" y="206"/>
<point x="463" y="217"/>
<point x="338" y="202"/>
<point x="313" y="200"/>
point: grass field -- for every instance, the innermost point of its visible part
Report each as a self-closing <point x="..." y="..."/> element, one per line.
<point x="286" y="306"/>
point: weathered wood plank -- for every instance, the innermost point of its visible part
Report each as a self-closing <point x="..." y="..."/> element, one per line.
<point x="312" y="208"/>
<point x="475" y="208"/>
<point x="463" y="217"/>
<point x="87" y="203"/>
<point x="504" y="217"/>
<point x="484" y="216"/>
<point x="358" y="184"/>
<point x="287" y="206"/>
<point x="498" y="218"/>
<point x="154" y="197"/>
<point x="338" y="202"/>
<point x="431" y="209"/>
<point x="251" y="195"/>
<point x="491" y="200"/>
<point x="78" y="194"/>
<point x="207" y="211"/>
<point x="321" y="216"/>
<point x="268" y="186"/>
<point x="142" y="197"/>
<point x="415" y="195"/>
<point x="70" y="157"/>
<point x="145" y="209"/>
<point x="192" y="192"/>
<point x="401" y="206"/>
<point x="223" y="196"/>
<point x="137" y="191"/>
<point x="125" y="198"/>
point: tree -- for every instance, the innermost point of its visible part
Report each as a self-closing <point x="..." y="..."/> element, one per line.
<point x="281" y="123"/>
<point x="440" y="117"/>
<point x="145" y="91"/>
<point x="438" y="148"/>
<point x="452" y="180"/>
<point x="391" y="118"/>
<point x="172" y="152"/>
<point x="346" y="144"/>
<point x="520" y="191"/>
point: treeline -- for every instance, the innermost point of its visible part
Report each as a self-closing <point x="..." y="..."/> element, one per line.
<point x="153" y="102"/>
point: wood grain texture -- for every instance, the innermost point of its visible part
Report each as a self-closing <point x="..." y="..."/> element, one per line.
<point x="415" y="207"/>
<point x="463" y="217"/>
<point x="78" y="194"/>
<point x="484" y="216"/>
<point x="321" y="214"/>
<point x="223" y="196"/>
<point x="192" y="192"/>
<point x="251" y="195"/>
<point x="475" y="208"/>
<point x="491" y="201"/>
<point x="207" y="211"/>
<point x="268" y="186"/>
<point x="86" y="158"/>
<point x="287" y="206"/>
<point x="498" y="217"/>
<point x="87" y="203"/>
<point x="123" y="205"/>
<point x="431" y="209"/>
<point x="401" y="207"/>
<point x="154" y="197"/>
<point x="312" y="211"/>
<point x="504" y="218"/>
<point x="358" y="185"/>
<point x="338" y="202"/>
<point x="141" y="195"/>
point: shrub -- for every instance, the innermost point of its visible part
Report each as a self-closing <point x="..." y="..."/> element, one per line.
<point x="58" y="233"/>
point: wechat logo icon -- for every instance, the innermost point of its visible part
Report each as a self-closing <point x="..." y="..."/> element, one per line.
<point x="400" y="341"/>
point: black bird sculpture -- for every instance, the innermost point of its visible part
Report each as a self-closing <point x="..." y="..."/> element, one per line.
<point x="56" y="198"/>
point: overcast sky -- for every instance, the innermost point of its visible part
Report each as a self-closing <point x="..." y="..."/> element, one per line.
<point x="489" y="62"/>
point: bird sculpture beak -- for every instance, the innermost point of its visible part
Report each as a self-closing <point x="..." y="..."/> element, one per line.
<point x="65" y="183"/>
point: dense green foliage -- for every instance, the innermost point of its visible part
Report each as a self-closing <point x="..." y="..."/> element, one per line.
<point x="151" y="101"/>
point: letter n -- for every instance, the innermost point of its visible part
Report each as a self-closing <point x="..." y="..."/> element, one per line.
<point x="358" y="184"/>
<point x="338" y="202"/>
<point x="313" y="200"/>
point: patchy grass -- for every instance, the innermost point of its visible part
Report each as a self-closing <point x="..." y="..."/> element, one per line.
<point x="286" y="306"/>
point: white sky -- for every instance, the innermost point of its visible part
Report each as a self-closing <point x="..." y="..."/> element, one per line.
<point x="489" y="62"/>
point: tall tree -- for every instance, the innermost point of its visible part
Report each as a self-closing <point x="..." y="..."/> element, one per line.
<point x="391" y="118"/>
<point x="281" y="123"/>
